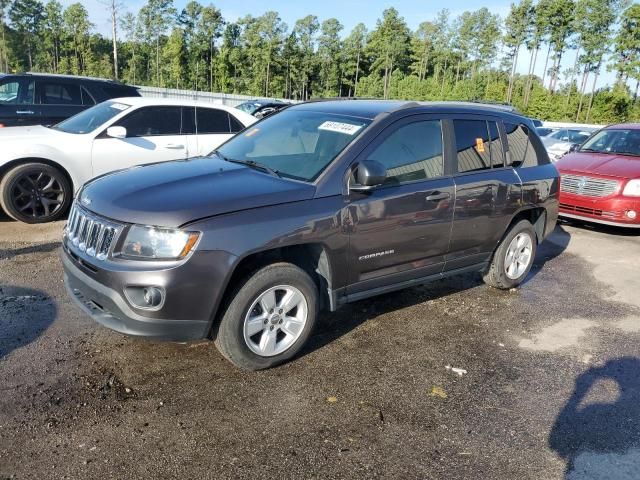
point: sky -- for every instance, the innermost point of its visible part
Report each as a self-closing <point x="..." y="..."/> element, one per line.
<point x="348" y="12"/>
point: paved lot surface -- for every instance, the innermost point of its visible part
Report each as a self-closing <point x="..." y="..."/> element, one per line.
<point x="552" y="388"/>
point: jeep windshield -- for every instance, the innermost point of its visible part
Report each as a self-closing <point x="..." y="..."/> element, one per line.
<point x="91" y="118"/>
<point x="297" y="144"/>
<point x="620" y="141"/>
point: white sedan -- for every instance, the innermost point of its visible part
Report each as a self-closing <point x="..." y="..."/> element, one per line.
<point x="41" y="167"/>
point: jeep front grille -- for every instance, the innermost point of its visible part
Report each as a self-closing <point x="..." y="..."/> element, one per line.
<point x="90" y="233"/>
<point x="588" y="186"/>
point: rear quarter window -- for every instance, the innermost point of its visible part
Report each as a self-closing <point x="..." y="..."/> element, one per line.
<point x="522" y="152"/>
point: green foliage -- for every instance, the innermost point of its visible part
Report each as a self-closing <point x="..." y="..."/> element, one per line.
<point x="471" y="57"/>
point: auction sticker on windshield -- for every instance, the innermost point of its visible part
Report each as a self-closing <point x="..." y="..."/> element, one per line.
<point x="119" y="106"/>
<point x="340" y="127"/>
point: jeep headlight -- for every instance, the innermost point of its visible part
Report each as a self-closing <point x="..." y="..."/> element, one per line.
<point x="158" y="243"/>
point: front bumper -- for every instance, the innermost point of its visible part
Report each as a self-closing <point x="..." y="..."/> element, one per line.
<point x="607" y="211"/>
<point x="107" y="307"/>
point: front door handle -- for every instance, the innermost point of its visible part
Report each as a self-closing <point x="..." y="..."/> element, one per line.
<point x="435" y="196"/>
<point x="174" y="146"/>
<point x="24" y="112"/>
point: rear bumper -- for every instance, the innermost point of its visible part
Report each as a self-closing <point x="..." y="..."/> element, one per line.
<point x="607" y="211"/>
<point x="109" y="308"/>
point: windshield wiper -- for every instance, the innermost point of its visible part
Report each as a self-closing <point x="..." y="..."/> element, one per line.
<point x="250" y="163"/>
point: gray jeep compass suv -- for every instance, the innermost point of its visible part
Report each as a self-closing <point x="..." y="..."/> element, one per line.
<point x="322" y="204"/>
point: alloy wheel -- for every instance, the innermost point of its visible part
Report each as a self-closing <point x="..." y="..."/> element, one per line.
<point x="518" y="256"/>
<point x="275" y="320"/>
<point x="37" y="194"/>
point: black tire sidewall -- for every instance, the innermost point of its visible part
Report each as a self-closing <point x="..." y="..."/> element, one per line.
<point x="8" y="181"/>
<point x="230" y="335"/>
<point x="521" y="227"/>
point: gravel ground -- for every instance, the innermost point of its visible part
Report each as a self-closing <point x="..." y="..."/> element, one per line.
<point x="550" y="387"/>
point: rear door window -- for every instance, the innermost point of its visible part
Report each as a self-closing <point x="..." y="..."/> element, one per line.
<point x="56" y="93"/>
<point x="212" y="120"/>
<point x="153" y="121"/>
<point x="472" y="145"/>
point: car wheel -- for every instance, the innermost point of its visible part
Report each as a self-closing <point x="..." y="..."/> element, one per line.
<point x="513" y="259"/>
<point x="35" y="193"/>
<point x="269" y="318"/>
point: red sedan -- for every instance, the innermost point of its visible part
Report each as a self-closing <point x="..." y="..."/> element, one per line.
<point x="601" y="179"/>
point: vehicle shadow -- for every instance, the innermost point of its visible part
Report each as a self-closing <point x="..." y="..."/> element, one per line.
<point x="46" y="248"/>
<point x="552" y="247"/>
<point x="601" y="439"/>
<point x="600" y="228"/>
<point x="24" y="315"/>
<point x="332" y="326"/>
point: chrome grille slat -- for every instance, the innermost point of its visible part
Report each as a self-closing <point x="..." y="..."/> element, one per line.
<point x="588" y="186"/>
<point x="89" y="233"/>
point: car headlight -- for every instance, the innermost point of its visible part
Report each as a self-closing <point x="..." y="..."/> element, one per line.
<point x="158" y="243"/>
<point x="632" y="189"/>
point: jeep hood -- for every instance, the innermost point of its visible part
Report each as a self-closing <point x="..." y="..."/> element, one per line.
<point x="621" y="166"/>
<point x="171" y="194"/>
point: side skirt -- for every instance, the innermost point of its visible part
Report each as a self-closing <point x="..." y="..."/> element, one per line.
<point x="340" y="297"/>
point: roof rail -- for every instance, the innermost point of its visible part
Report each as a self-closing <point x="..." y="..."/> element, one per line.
<point x="83" y="77"/>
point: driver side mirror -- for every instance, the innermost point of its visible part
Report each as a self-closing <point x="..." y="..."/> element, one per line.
<point x="369" y="174"/>
<point x="117" y="132"/>
<point x="574" y="147"/>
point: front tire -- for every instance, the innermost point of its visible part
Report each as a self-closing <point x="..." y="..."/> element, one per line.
<point x="35" y="193"/>
<point x="513" y="259"/>
<point x="269" y="318"/>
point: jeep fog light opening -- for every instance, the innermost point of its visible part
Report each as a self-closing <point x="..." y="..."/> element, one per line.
<point x="145" y="297"/>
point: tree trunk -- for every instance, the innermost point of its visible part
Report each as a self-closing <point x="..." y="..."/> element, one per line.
<point x="158" y="60"/>
<point x="532" y="69"/>
<point x="114" y="34"/>
<point x="4" y="66"/>
<point x="29" y="54"/>
<point x="211" y="65"/>
<point x="444" y="77"/>
<point x="556" y="70"/>
<point x="513" y="74"/>
<point x="583" y="86"/>
<point x="593" y="93"/>
<point x="635" y="94"/>
<point x="266" y="85"/>
<point x="355" y="86"/>
<point x="571" y="80"/>
<point x="546" y="65"/>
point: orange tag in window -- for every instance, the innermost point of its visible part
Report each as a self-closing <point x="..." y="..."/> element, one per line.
<point x="479" y="145"/>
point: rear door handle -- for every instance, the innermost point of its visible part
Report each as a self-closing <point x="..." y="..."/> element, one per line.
<point x="24" y="112"/>
<point x="435" y="196"/>
<point x="174" y="146"/>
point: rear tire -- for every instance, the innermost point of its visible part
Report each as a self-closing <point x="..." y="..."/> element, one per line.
<point x="269" y="318"/>
<point x="513" y="259"/>
<point x="35" y="193"/>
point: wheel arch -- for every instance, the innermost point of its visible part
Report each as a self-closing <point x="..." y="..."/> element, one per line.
<point x="313" y="258"/>
<point x="535" y="215"/>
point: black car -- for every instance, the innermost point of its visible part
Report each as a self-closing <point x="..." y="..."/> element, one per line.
<point x="323" y="204"/>
<point x="46" y="99"/>
<point x="262" y="108"/>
